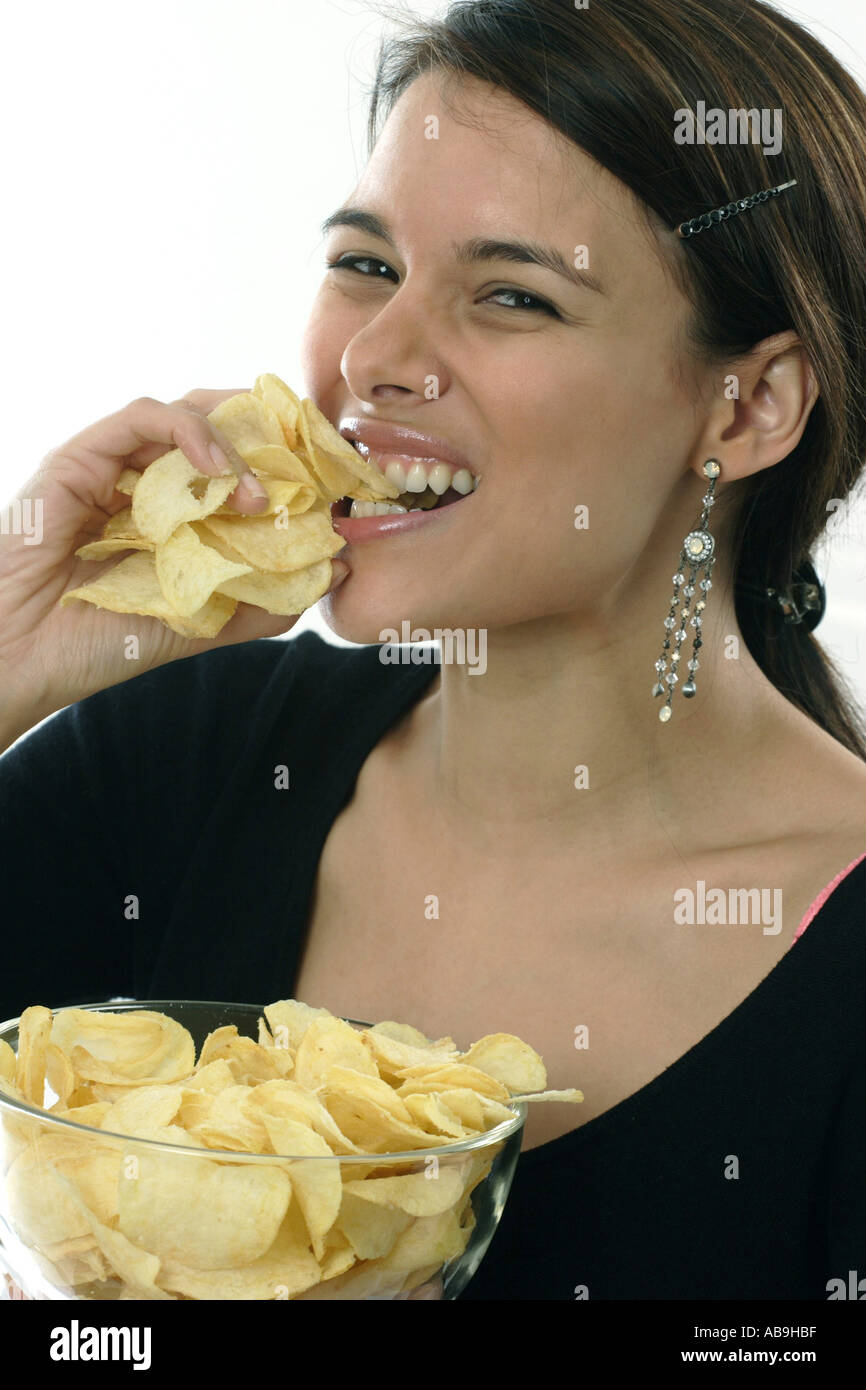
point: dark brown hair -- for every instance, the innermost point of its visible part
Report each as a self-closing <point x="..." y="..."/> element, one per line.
<point x="610" y="78"/>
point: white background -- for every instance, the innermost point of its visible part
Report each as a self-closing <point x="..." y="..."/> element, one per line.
<point x="165" y="169"/>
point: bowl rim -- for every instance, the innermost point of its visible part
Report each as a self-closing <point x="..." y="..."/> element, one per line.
<point x="500" y="1132"/>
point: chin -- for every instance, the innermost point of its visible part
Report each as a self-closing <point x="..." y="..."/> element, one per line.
<point x="365" y="621"/>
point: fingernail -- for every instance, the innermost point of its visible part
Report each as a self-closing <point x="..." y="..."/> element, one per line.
<point x="252" y="489"/>
<point x="337" y="574"/>
<point x="220" y="459"/>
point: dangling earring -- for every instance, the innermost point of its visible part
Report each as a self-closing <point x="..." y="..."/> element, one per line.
<point x="697" y="554"/>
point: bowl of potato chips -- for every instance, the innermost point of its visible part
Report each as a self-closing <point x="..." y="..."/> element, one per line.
<point x="192" y="1150"/>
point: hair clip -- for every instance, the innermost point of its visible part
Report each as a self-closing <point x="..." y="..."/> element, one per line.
<point x="700" y="224"/>
<point x="803" y="601"/>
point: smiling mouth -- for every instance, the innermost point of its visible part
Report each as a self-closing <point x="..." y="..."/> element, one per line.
<point x="424" y="483"/>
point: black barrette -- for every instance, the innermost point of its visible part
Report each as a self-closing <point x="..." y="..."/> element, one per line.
<point x="707" y="219"/>
<point x="804" y="601"/>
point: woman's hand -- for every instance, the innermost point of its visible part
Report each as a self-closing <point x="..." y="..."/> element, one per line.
<point x="50" y="656"/>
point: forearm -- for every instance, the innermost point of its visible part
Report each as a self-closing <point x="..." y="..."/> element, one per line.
<point x="18" y="715"/>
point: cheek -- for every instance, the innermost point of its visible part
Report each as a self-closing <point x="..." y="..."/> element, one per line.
<point x="322" y="343"/>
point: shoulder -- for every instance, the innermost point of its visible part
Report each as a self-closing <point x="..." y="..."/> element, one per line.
<point x="201" y="707"/>
<point x="228" y="681"/>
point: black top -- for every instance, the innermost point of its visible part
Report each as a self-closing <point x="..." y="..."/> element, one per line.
<point x="163" y="789"/>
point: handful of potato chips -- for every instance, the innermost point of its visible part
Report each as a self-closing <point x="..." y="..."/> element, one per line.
<point x="294" y="1222"/>
<point x="197" y="558"/>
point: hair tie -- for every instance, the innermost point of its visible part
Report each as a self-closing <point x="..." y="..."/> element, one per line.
<point x="802" y="602"/>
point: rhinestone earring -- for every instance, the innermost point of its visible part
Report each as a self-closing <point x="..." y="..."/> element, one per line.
<point x="697" y="553"/>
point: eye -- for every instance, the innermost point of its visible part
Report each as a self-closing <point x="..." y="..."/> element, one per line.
<point x="527" y="302"/>
<point x="353" y="262"/>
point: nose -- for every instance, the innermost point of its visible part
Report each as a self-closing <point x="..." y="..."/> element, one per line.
<point x="394" y="356"/>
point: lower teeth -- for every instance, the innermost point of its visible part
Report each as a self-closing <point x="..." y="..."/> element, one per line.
<point x="406" y="502"/>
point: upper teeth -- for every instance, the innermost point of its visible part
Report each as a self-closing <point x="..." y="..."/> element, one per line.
<point x="414" y="474"/>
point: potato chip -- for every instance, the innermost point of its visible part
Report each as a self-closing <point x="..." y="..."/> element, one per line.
<point x="401" y="1032"/>
<point x="8" y="1061"/>
<point x="272" y="463"/>
<point x="84" y="1266"/>
<point x="336" y="1262"/>
<point x="425" y="1245"/>
<point x="103" y="549"/>
<point x="248" y="421"/>
<point x="366" y="1279"/>
<point x="366" y="1084"/>
<point x="433" y="1114"/>
<point x="139" y="1046"/>
<point x="292" y="1017"/>
<point x="228" y="1122"/>
<point x="317" y="1185"/>
<point x="283" y="594"/>
<point x="420" y="1277"/>
<point x="137" y="1268"/>
<point x="283" y="402"/>
<point x="211" y="1077"/>
<point x="418" y="1194"/>
<point x="326" y="1043"/>
<point x="91" y="1114"/>
<point x="510" y="1060"/>
<point x="569" y="1094"/>
<point x="119" y="533"/>
<point x="128" y="481"/>
<point x="132" y="586"/>
<point x="369" y="1125"/>
<point x="244" y="1057"/>
<point x="47" y="1183"/>
<point x="390" y="1054"/>
<point x="84" y="1095"/>
<point x="428" y="1243"/>
<point x="142" y="1109"/>
<point x="34" y="1031"/>
<point x="121" y="526"/>
<point x="57" y="1250"/>
<point x="371" y="1227"/>
<point x="188" y="571"/>
<point x="285" y="495"/>
<point x="447" y="1075"/>
<point x="217" y="1046"/>
<point x="288" y="593"/>
<point x="465" y="1104"/>
<point x="288" y="1100"/>
<point x="170" y="491"/>
<point x="341" y="469"/>
<point x="279" y="549"/>
<point x="60" y="1074"/>
<point x="205" y="1213"/>
<point x="284" y="1270"/>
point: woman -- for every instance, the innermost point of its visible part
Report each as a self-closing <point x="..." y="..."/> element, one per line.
<point x="527" y="848"/>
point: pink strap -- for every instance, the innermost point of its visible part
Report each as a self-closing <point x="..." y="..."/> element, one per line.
<point x="825" y="893"/>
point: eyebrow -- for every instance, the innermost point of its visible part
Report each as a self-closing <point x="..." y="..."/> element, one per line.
<point x="476" y="249"/>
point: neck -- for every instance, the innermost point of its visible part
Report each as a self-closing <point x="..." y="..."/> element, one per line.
<point x="568" y="698"/>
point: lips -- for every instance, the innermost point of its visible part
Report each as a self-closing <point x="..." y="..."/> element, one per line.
<point x="383" y="437"/>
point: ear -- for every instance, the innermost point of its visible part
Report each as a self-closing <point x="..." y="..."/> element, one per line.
<point x="761" y="408"/>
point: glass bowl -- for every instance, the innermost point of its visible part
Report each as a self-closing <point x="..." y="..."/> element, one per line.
<point x="62" y="1185"/>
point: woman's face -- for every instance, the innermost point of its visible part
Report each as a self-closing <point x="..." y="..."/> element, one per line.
<point x="568" y="399"/>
